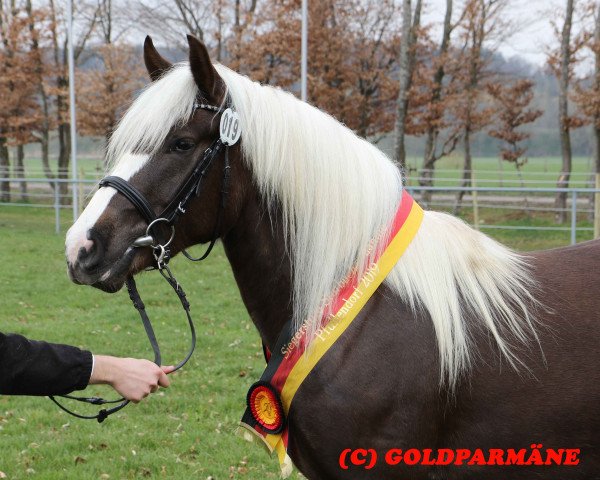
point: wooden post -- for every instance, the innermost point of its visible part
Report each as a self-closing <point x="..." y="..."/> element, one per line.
<point x="475" y="202"/>
<point x="597" y="208"/>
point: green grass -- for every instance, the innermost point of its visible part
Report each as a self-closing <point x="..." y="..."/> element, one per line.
<point x="490" y="171"/>
<point x="187" y="431"/>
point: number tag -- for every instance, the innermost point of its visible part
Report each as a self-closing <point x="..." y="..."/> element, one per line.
<point x="230" y="127"/>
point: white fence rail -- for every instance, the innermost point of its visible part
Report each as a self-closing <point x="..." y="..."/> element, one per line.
<point x="45" y="193"/>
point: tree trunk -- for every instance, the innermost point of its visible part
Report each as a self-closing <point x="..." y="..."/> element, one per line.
<point x="407" y="63"/>
<point x="4" y="171"/>
<point x="64" y="140"/>
<point x="219" y="31"/>
<point x="429" y="159"/>
<point x="596" y="119"/>
<point x="563" y="115"/>
<point x="44" y="133"/>
<point x="45" y="143"/>
<point x="467" y="168"/>
<point x="431" y="136"/>
<point x="20" y="173"/>
<point x="596" y="124"/>
<point x="45" y="136"/>
<point x="477" y="35"/>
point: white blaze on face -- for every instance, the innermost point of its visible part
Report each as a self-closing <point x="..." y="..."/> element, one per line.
<point x="77" y="234"/>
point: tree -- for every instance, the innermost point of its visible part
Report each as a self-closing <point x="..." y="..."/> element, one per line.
<point x="562" y="63"/>
<point x="587" y="98"/>
<point x="18" y="107"/>
<point x="105" y="89"/>
<point x="170" y="21"/>
<point x="410" y="25"/>
<point x="86" y="15"/>
<point x="39" y="29"/>
<point x="351" y="57"/>
<point x="117" y="72"/>
<point x="512" y="113"/>
<point x="482" y="22"/>
<point x="433" y="92"/>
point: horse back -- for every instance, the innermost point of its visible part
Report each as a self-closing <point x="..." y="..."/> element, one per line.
<point x="379" y="386"/>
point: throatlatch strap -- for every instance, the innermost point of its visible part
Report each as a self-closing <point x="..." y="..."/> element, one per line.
<point x="224" y="195"/>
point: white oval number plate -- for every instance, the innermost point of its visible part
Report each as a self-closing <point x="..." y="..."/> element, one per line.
<point x="230" y="127"/>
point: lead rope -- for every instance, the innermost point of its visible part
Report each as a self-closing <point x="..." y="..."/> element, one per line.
<point x="136" y="299"/>
<point x="161" y="253"/>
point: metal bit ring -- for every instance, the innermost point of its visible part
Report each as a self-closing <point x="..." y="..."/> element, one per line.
<point x="162" y="219"/>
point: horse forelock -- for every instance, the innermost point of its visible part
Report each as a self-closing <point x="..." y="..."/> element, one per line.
<point x="161" y="105"/>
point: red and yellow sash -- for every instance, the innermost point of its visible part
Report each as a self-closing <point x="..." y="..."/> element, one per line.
<point x="270" y="399"/>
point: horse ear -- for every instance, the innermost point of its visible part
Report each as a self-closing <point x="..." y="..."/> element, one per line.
<point x="207" y="79"/>
<point x="155" y="64"/>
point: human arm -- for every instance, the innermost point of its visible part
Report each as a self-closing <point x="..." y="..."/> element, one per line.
<point x="29" y="367"/>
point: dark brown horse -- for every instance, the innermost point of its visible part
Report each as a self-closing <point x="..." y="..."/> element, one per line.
<point x="466" y="345"/>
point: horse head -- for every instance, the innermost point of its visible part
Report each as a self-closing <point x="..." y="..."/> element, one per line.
<point x="160" y="142"/>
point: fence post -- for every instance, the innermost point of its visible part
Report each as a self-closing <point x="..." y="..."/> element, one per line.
<point x="574" y="218"/>
<point x="56" y="208"/>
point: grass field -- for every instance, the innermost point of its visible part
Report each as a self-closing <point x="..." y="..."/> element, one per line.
<point x="489" y="170"/>
<point x="185" y="432"/>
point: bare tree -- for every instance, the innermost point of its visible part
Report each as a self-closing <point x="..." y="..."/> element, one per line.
<point x="410" y="25"/>
<point x="437" y="105"/>
<point x="169" y="21"/>
<point x="483" y="21"/>
<point x="87" y="16"/>
<point x="563" y="113"/>
<point x="596" y="111"/>
<point x="586" y="95"/>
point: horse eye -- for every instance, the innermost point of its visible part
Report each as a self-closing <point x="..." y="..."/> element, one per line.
<point x="182" y="145"/>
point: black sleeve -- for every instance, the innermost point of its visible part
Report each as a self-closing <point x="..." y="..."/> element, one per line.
<point x="28" y="367"/>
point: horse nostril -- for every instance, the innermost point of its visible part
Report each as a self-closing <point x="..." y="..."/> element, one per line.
<point x="91" y="253"/>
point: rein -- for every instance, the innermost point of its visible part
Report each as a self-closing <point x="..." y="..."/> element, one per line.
<point x="229" y="135"/>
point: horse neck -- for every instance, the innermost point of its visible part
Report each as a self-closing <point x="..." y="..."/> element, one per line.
<point x="255" y="248"/>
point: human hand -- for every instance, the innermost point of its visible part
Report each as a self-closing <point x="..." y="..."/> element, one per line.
<point x="133" y="378"/>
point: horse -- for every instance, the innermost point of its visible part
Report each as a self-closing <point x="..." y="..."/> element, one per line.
<point x="465" y="344"/>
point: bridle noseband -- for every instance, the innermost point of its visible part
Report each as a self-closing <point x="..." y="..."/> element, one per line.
<point x="162" y="254"/>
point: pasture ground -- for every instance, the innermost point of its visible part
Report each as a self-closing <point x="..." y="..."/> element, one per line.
<point x="490" y="171"/>
<point x="187" y="431"/>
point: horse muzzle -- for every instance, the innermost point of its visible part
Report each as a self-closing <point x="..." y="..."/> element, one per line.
<point x="92" y="267"/>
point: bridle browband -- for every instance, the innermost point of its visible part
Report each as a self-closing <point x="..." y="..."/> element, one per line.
<point x="176" y="207"/>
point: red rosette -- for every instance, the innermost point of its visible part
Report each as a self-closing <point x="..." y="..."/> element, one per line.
<point x="266" y="407"/>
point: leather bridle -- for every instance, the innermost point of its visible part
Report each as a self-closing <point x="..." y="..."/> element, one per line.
<point x="178" y="205"/>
